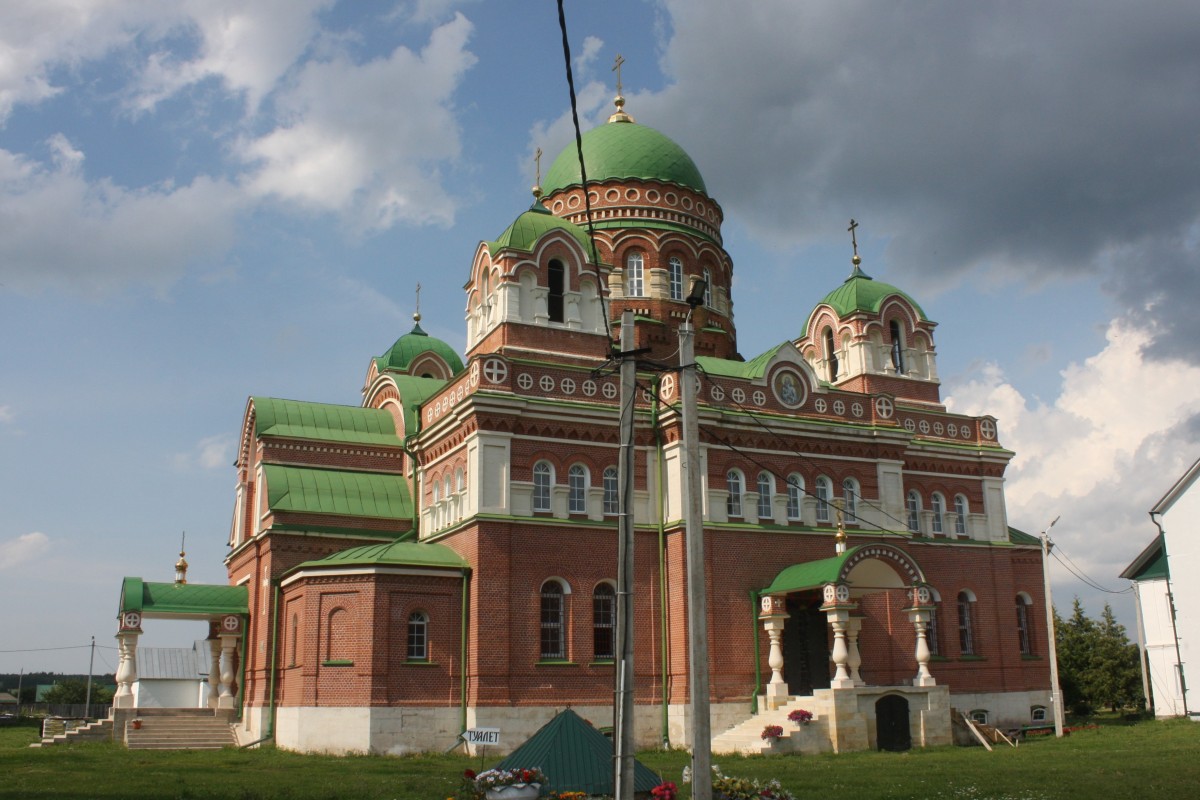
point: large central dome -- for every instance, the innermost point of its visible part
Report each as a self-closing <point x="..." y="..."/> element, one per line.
<point x="620" y="151"/>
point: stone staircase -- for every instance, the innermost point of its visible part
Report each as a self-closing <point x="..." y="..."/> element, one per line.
<point x="746" y="737"/>
<point x="100" y="731"/>
<point x="178" y="729"/>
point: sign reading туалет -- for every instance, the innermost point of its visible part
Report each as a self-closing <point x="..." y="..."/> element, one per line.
<point x="483" y="736"/>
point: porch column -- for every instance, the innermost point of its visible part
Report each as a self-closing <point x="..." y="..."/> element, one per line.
<point x="228" y="644"/>
<point x="839" y="619"/>
<point x="773" y="615"/>
<point x="126" y="668"/>
<point x="919" y="614"/>
<point x="854" y="660"/>
<point x="214" y="671"/>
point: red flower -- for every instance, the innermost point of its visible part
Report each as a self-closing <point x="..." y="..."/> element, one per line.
<point x="526" y="775"/>
<point x="469" y="774"/>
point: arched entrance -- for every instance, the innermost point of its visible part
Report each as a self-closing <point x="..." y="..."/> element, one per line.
<point x="892" y="729"/>
<point x="805" y="644"/>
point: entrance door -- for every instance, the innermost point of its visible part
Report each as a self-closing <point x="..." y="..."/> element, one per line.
<point x="805" y="646"/>
<point x="891" y="723"/>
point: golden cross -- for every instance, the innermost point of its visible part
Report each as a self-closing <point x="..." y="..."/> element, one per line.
<point x="537" y="159"/>
<point x="853" y="238"/>
<point x="617" y="69"/>
<point x="418" y="298"/>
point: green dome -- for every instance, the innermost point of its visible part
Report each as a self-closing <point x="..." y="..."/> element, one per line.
<point x="531" y="226"/>
<point x="414" y="343"/>
<point x="861" y="292"/>
<point x="622" y="150"/>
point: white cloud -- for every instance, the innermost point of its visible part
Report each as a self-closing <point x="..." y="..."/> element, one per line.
<point x="368" y="140"/>
<point x="58" y="229"/>
<point x="591" y="48"/>
<point x="211" y="452"/>
<point x="7" y="414"/>
<point x="25" y="548"/>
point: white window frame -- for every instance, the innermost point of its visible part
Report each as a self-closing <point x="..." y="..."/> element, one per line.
<point x="766" y="492"/>
<point x="543" y="486"/>
<point x="612" y="491"/>
<point x="961" y="509"/>
<point x="675" y="277"/>
<point x="417" y="637"/>
<point x="635" y="285"/>
<point x="736" y="483"/>
<point x="850" y="494"/>
<point x="824" y="493"/>
<point x="795" y="503"/>
<point x="912" y="504"/>
<point x="937" y="505"/>
<point x="577" y="486"/>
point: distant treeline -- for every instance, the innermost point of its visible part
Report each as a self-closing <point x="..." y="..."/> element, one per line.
<point x="31" y="680"/>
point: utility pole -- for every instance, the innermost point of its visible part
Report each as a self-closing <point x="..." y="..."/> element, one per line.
<point x="623" y="781"/>
<point x="697" y="609"/>
<point x="20" y="686"/>
<point x="1055" y="691"/>
<point x="87" y="700"/>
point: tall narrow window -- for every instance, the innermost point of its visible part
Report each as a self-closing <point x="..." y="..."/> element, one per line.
<point x="554" y="297"/>
<point x="612" y="499"/>
<point x="932" y="634"/>
<point x="897" y="347"/>
<point x="912" y="503"/>
<point x="295" y="638"/>
<point x="795" y="495"/>
<point x="675" y="276"/>
<point x="766" y="491"/>
<point x="966" y="623"/>
<point x="937" y="504"/>
<point x="543" y="479"/>
<point x="733" y="504"/>
<point x="960" y="514"/>
<point x="418" y="636"/>
<point x="708" y="288"/>
<point x="850" y="495"/>
<point x="577" y="486"/>
<point x="831" y="359"/>
<point x="824" y="499"/>
<point x="634" y="286"/>
<point x="604" y="622"/>
<point x="1024" y="601"/>
<point x="553" y="608"/>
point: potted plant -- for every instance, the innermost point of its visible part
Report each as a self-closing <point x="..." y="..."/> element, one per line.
<point x="136" y="723"/>
<point x="772" y="732"/>
<point x="511" y="784"/>
<point x="800" y="716"/>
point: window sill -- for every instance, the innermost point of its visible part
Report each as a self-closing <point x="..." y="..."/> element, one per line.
<point x="1030" y="657"/>
<point x="337" y="663"/>
<point x="938" y="659"/>
<point x="602" y="662"/>
<point x="556" y="662"/>
<point x="420" y="663"/>
<point x="971" y="658"/>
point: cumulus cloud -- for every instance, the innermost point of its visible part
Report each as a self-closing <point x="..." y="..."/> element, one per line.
<point x="59" y="229"/>
<point x="1017" y="142"/>
<point x="211" y="452"/>
<point x="591" y="48"/>
<point x="368" y="140"/>
<point x="7" y="414"/>
<point x="23" y="549"/>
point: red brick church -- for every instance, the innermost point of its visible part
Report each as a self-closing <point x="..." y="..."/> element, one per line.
<point x="443" y="554"/>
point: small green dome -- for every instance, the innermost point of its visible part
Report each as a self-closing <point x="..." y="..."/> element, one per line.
<point x="861" y="292"/>
<point x="622" y="150"/>
<point x="531" y="226"/>
<point x="414" y="343"/>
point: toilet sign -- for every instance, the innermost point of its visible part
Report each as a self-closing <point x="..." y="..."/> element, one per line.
<point x="483" y="736"/>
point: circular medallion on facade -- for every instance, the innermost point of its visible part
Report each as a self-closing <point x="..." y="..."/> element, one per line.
<point x="789" y="388"/>
<point x="671" y="198"/>
<point x="951" y="429"/>
<point x="830" y="593"/>
<point x="937" y="428"/>
<point x="843" y="593"/>
<point x="230" y="623"/>
<point x="924" y="426"/>
<point x="666" y="387"/>
<point x="700" y="209"/>
<point x="652" y="195"/>
<point x="717" y="393"/>
<point x="884" y="407"/>
<point x="495" y="371"/>
<point x="647" y="396"/>
<point x="759" y="397"/>
<point x="573" y="201"/>
<point x="856" y="409"/>
<point x="131" y="619"/>
<point x="475" y="374"/>
<point x="558" y="206"/>
<point x="923" y="595"/>
<point x="547" y="383"/>
<point x="966" y="431"/>
<point x="820" y="405"/>
<point x="525" y="380"/>
<point x="839" y="407"/>
<point x="612" y="195"/>
<point x="987" y="428"/>
<point x="567" y="386"/>
<point x="589" y="387"/>
<point x="910" y="426"/>
<point x="609" y="390"/>
<point x="632" y="194"/>
<point x="738" y="395"/>
<point x="687" y="203"/>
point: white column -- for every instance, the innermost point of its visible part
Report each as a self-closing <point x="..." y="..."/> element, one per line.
<point x="777" y="689"/>
<point x="920" y="621"/>
<point x="854" y="660"/>
<point x="126" y="669"/>
<point x="228" y="645"/>
<point x="214" y="671"/>
<point x="838" y="619"/>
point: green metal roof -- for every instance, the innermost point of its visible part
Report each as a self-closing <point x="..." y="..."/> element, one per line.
<point x="622" y="150"/>
<point x="415" y="343"/>
<point x="808" y="575"/>
<point x="413" y="392"/>
<point x="1151" y="563"/>
<point x="354" y="494"/>
<point x="328" y="423"/>
<point x="1021" y="537"/>
<point x="184" y="599"/>
<point x="749" y="370"/>
<point x="575" y="758"/>
<point x="407" y="553"/>
<point x="861" y="292"/>
<point x="531" y="226"/>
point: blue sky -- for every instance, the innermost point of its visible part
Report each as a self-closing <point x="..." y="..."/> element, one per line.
<point x="203" y="200"/>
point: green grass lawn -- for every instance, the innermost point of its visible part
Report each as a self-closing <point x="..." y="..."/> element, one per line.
<point x="1139" y="761"/>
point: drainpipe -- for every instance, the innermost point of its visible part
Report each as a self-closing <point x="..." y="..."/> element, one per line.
<point x="274" y="658"/>
<point x="662" y="570"/>
<point x="415" y="531"/>
<point x="1174" y="630"/>
<point x="462" y="655"/>
<point x="754" y="598"/>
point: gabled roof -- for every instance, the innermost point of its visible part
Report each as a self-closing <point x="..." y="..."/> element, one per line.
<point x="1021" y="537"/>
<point x="182" y="599"/>
<point x="296" y="419"/>
<point x="351" y="494"/>
<point x="1178" y="490"/>
<point x="406" y="553"/>
<point x="575" y="758"/>
<point x="1151" y="563"/>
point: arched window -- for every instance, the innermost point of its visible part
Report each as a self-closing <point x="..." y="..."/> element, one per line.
<point x="850" y="495"/>
<point x="337" y="635"/>
<point x="937" y="504"/>
<point x="795" y="495"/>
<point x="554" y="298"/>
<point x="831" y="359"/>
<point x="966" y="623"/>
<point x="708" y="288"/>
<point x="675" y="277"/>
<point x="543" y="479"/>
<point x="418" y="636"/>
<point x="824" y="499"/>
<point x="437" y="491"/>
<point x="766" y="491"/>
<point x="733" y="504"/>
<point x="612" y="497"/>
<point x="961" y="509"/>
<point x="604" y="622"/>
<point x="577" y="486"/>
<point x="1024" y="637"/>
<point x="634" y="284"/>
<point x="932" y="634"/>
<point x="912" y="503"/>
<point x="897" y="347"/>
<point x="553" y="616"/>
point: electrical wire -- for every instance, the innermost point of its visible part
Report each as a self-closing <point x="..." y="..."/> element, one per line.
<point x="1078" y="572"/>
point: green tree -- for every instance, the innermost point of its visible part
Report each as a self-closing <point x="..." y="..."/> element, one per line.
<point x="74" y="691"/>
<point x="1097" y="665"/>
